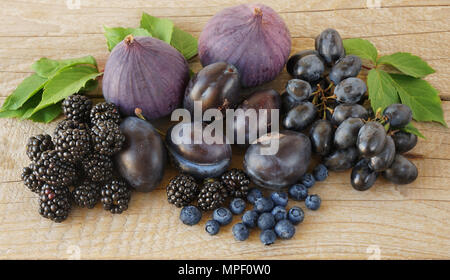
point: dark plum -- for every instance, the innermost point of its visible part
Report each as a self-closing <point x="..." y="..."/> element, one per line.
<point x="341" y="160"/>
<point x="330" y="46"/>
<point x="296" y="57"/>
<point x="321" y="136"/>
<point x="362" y="177"/>
<point x="309" y="68"/>
<point x="345" y="111"/>
<point x="398" y="115"/>
<point x="346" y="134"/>
<point x="347" y="67"/>
<point x="300" y="116"/>
<point x="264" y="100"/>
<point x="217" y="86"/>
<point x="283" y="168"/>
<point x="385" y="158"/>
<point x="404" y="141"/>
<point x="201" y="160"/>
<point x="402" y="171"/>
<point x="143" y="157"/>
<point x="371" y="139"/>
<point x="297" y="91"/>
<point x="350" y="90"/>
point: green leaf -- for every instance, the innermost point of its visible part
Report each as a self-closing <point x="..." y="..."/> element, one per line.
<point x="48" y="114"/>
<point x="66" y="83"/>
<point x="48" y="68"/>
<point x="185" y="43"/>
<point x="408" y="64"/>
<point x="28" y="106"/>
<point x="421" y="97"/>
<point x="362" y="48"/>
<point x="160" y="28"/>
<point x="116" y="35"/>
<point x="382" y="92"/>
<point x="27" y="89"/>
<point x="410" y="128"/>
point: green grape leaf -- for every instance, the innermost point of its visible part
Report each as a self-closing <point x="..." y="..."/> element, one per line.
<point x="116" y="35"/>
<point x="382" y="91"/>
<point x="47" y="114"/>
<point x="410" y="128"/>
<point x="408" y="64"/>
<point x="362" y="48"/>
<point x="66" y="83"/>
<point x="160" y="28"/>
<point x="185" y="43"/>
<point x="48" y="68"/>
<point x="27" y="89"/>
<point x="421" y="97"/>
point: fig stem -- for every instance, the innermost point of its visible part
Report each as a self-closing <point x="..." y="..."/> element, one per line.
<point x="138" y="113"/>
<point x="258" y="12"/>
<point x="129" y="39"/>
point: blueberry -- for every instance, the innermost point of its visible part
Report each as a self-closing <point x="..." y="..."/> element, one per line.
<point x="320" y="172"/>
<point x="266" y="221"/>
<point x="308" y="180"/>
<point x="237" y="206"/>
<point x="264" y="204"/>
<point x="253" y="195"/>
<point x="250" y="218"/>
<point x="240" y="232"/>
<point x="223" y="216"/>
<point x="212" y="227"/>
<point x="279" y="212"/>
<point x="313" y="202"/>
<point x="279" y="198"/>
<point x="296" y="215"/>
<point x="298" y="192"/>
<point x="190" y="215"/>
<point x="285" y="229"/>
<point x="268" y="237"/>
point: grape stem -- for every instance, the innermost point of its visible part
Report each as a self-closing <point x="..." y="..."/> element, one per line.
<point x="138" y="113"/>
<point x="321" y="97"/>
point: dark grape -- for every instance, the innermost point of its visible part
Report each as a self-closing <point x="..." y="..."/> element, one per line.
<point x="309" y="68"/>
<point x="296" y="57"/>
<point x="321" y="136"/>
<point x="371" y="139"/>
<point x="347" y="67"/>
<point x="345" y="111"/>
<point x="330" y="46"/>
<point x="362" y="177"/>
<point x="398" y="115"/>
<point x="350" y="90"/>
<point x="384" y="159"/>
<point x="297" y="91"/>
<point x="402" y="171"/>
<point x="341" y="160"/>
<point x="300" y="116"/>
<point x="346" y="134"/>
<point x="404" y="141"/>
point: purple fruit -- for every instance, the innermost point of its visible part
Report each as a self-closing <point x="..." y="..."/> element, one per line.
<point x="146" y="73"/>
<point x="282" y="168"/>
<point x="143" y="157"/>
<point x="252" y="37"/>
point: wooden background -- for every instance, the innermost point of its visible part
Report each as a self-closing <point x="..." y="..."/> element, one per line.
<point x="387" y="222"/>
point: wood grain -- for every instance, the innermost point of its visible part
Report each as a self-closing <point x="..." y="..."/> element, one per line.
<point x="403" y="222"/>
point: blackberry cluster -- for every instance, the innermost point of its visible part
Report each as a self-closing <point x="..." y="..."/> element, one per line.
<point x="182" y="190"/>
<point x="212" y="195"/>
<point x="236" y="182"/>
<point x="77" y="158"/>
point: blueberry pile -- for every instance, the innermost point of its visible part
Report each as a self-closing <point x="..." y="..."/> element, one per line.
<point x="327" y="99"/>
<point x="75" y="166"/>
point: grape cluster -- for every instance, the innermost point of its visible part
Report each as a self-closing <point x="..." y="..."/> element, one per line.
<point x="326" y="96"/>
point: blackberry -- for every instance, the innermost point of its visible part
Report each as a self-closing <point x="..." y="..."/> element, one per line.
<point x="182" y="190"/>
<point x="72" y="141"/>
<point x="87" y="194"/>
<point x="70" y="124"/>
<point x="38" y="144"/>
<point x="98" y="167"/>
<point x="212" y="195"/>
<point x="77" y="107"/>
<point x="237" y="183"/>
<point x="51" y="169"/>
<point x="54" y="203"/>
<point x="30" y="180"/>
<point x="107" y="138"/>
<point x="105" y="112"/>
<point x="115" y="196"/>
